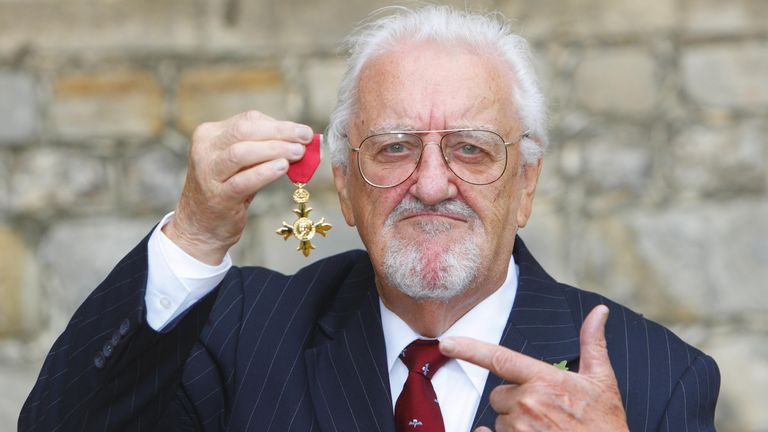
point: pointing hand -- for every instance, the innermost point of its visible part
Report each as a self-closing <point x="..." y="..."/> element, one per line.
<point x="545" y="398"/>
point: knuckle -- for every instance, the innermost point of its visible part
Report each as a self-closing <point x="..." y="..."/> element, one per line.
<point x="234" y="154"/>
<point x="561" y="378"/>
<point x="241" y="128"/>
<point x="238" y="185"/>
<point x="509" y="423"/>
<point x="521" y="425"/>
<point x="202" y="131"/>
<point x="501" y="361"/>
<point x="197" y="152"/>
<point x="497" y="396"/>
<point x="501" y="423"/>
<point x="253" y="115"/>
<point x="285" y="129"/>
<point x="527" y="404"/>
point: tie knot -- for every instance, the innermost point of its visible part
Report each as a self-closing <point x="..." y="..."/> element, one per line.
<point x="423" y="357"/>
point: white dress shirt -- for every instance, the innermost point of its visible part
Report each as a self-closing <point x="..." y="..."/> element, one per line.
<point x="176" y="281"/>
<point x="458" y="384"/>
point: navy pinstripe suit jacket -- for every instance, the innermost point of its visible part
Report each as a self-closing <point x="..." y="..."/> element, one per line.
<point x="268" y="352"/>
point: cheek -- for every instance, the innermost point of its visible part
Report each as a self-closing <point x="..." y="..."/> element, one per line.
<point x="500" y="206"/>
<point x="373" y="206"/>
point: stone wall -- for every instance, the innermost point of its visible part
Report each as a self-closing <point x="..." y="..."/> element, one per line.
<point x="654" y="192"/>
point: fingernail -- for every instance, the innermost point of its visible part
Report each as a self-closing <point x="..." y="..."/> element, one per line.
<point x="447" y="345"/>
<point x="304" y="133"/>
<point x="297" y="150"/>
<point x="280" y="165"/>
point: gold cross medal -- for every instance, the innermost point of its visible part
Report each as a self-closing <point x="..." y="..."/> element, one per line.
<point x="300" y="173"/>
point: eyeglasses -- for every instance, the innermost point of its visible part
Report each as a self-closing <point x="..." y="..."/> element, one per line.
<point x="476" y="156"/>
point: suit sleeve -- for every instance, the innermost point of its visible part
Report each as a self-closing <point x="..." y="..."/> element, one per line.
<point x="691" y="406"/>
<point x="109" y="370"/>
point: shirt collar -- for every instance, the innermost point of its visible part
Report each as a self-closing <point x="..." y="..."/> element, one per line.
<point x="475" y="324"/>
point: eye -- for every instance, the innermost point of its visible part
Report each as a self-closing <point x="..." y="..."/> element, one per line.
<point x="396" y="147"/>
<point x="468" y="153"/>
<point x="469" y="149"/>
<point x="391" y="148"/>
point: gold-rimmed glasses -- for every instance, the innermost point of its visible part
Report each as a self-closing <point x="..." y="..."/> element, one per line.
<point x="476" y="156"/>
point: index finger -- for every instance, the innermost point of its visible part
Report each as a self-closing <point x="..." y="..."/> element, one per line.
<point x="256" y="126"/>
<point x="512" y="366"/>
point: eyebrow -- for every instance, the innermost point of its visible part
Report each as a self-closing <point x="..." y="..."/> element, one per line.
<point x="388" y="127"/>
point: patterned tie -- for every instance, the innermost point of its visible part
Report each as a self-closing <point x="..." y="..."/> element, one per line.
<point x="417" y="408"/>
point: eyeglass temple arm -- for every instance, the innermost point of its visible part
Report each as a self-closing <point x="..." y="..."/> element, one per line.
<point x="524" y="135"/>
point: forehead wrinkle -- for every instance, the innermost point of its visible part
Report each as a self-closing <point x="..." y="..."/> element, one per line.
<point x="403" y="127"/>
<point x="390" y="126"/>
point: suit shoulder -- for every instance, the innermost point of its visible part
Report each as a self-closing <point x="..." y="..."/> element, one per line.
<point x="310" y="286"/>
<point x="630" y="329"/>
<point x="332" y="267"/>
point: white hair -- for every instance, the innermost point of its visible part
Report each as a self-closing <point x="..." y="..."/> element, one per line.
<point x="442" y="24"/>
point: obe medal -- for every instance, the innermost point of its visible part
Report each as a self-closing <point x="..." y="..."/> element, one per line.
<point x="300" y="172"/>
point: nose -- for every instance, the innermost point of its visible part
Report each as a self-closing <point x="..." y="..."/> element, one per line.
<point x="434" y="182"/>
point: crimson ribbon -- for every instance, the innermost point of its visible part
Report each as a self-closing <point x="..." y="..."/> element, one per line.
<point x="302" y="170"/>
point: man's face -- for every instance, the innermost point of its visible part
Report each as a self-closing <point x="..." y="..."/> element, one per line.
<point x="434" y="217"/>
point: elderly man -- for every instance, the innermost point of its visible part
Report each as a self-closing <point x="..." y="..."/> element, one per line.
<point x="437" y="145"/>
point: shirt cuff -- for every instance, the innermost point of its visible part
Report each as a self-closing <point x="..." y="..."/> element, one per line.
<point x="176" y="280"/>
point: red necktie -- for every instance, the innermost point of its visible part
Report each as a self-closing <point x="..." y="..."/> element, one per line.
<point x="417" y="409"/>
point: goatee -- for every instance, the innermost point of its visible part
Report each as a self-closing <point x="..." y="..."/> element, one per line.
<point x="420" y="270"/>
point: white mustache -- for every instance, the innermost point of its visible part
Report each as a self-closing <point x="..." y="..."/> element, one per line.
<point x="411" y="206"/>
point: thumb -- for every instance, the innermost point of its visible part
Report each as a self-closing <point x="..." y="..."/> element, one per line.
<point x="594" y="349"/>
<point x="483" y="429"/>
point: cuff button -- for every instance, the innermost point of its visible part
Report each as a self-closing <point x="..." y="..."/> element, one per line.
<point x="99" y="360"/>
<point x="124" y="327"/>
<point x="108" y="349"/>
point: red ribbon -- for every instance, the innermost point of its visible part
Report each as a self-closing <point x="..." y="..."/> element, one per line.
<point x="302" y="170"/>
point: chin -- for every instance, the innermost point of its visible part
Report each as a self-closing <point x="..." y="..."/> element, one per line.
<point x="432" y="270"/>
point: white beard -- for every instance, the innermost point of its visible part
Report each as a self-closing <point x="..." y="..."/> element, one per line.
<point x="451" y="274"/>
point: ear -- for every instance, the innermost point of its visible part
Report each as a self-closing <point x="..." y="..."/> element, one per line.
<point x="340" y="181"/>
<point x="529" y="179"/>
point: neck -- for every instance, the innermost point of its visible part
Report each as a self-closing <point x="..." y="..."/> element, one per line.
<point x="431" y="318"/>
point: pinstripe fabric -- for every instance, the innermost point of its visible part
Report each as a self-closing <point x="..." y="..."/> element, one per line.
<point x="268" y="352"/>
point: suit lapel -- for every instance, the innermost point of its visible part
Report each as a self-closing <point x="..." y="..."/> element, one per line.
<point x="540" y="325"/>
<point x="347" y="371"/>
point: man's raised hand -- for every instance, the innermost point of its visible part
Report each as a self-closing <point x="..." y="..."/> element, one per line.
<point x="542" y="397"/>
<point x="229" y="162"/>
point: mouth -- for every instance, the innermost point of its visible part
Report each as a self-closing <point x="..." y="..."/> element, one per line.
<point x="458" y="218"/>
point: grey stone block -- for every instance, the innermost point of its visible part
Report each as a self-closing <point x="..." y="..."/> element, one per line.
<point x="46" y="180"/>
<point x="79" y="254"/>
<point x="727" y="75"/>
<point x="154" y="179"/>
<point x="714" y="17"/>
<point x="322" y="81"/>
<point x="742" y="357"/>
<point x="689" y="262"/>
<point x="99" y="26"/>
<point x="19" y="111"/>
<point x="723" y="160"/>
<point x="17" y="383"/>
<point x="556" y="19"/>
<point x="21" y="303"/>
<point x="5" y="185"/>
<point x="617" y="81"/>
<point x="209" y="94"/>
<point x="116" y="103"/>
